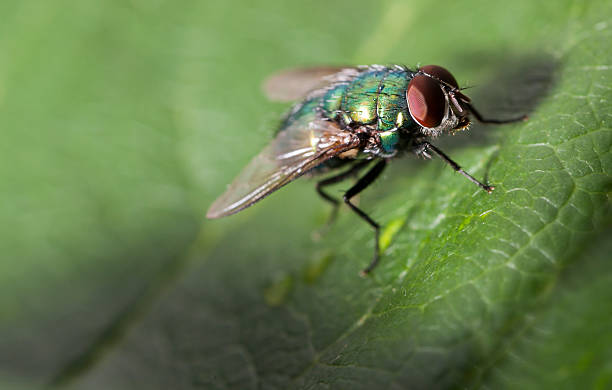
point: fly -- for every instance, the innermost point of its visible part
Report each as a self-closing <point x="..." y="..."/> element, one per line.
<point x="353" y="118"/>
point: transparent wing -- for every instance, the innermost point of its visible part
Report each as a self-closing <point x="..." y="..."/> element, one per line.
<point x="292" y="153"/>
<point x="293" y="84"/>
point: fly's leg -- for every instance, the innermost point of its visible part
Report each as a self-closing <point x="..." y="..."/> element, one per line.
<point x="427" y="146"/>
<point x="337" y="179"/>
<point x="361" y="185"/>
<point x="480" y="119"/>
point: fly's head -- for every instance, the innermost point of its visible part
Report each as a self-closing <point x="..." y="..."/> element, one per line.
<point x="435" y="101"/>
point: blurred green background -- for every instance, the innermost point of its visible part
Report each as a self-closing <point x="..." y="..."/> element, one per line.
<point x="121" y="121"/>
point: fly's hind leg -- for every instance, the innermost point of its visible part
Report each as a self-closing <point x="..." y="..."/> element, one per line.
<point x="361" y="185"/>
<point x="353" y="170"/>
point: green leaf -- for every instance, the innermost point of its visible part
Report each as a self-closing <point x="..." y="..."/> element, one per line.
<point x="123" y="121"/>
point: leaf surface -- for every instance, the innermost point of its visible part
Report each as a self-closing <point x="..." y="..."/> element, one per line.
<point x="123" y="122"/>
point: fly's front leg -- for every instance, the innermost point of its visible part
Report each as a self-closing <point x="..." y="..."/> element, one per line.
<point x="480" y="119"/>
<point x="361" y="185"/>
<point x="427" y="146"/>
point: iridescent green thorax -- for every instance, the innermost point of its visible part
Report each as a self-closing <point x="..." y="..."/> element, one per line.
<point x="389" y="140"/>
<point x="374" y="97"/>
<point x="361" y="97"/>
<point x="392" y="110"/>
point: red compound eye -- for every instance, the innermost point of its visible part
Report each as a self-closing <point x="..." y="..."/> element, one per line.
<point x="426" y="101"/>
<point x="440" y="73"/>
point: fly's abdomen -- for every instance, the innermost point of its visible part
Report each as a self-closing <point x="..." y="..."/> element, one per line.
<point x="332" y="100"/>
<point x="305" y="112"/>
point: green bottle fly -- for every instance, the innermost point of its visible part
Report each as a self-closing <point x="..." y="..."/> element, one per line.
<point x="352" y="117"/>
